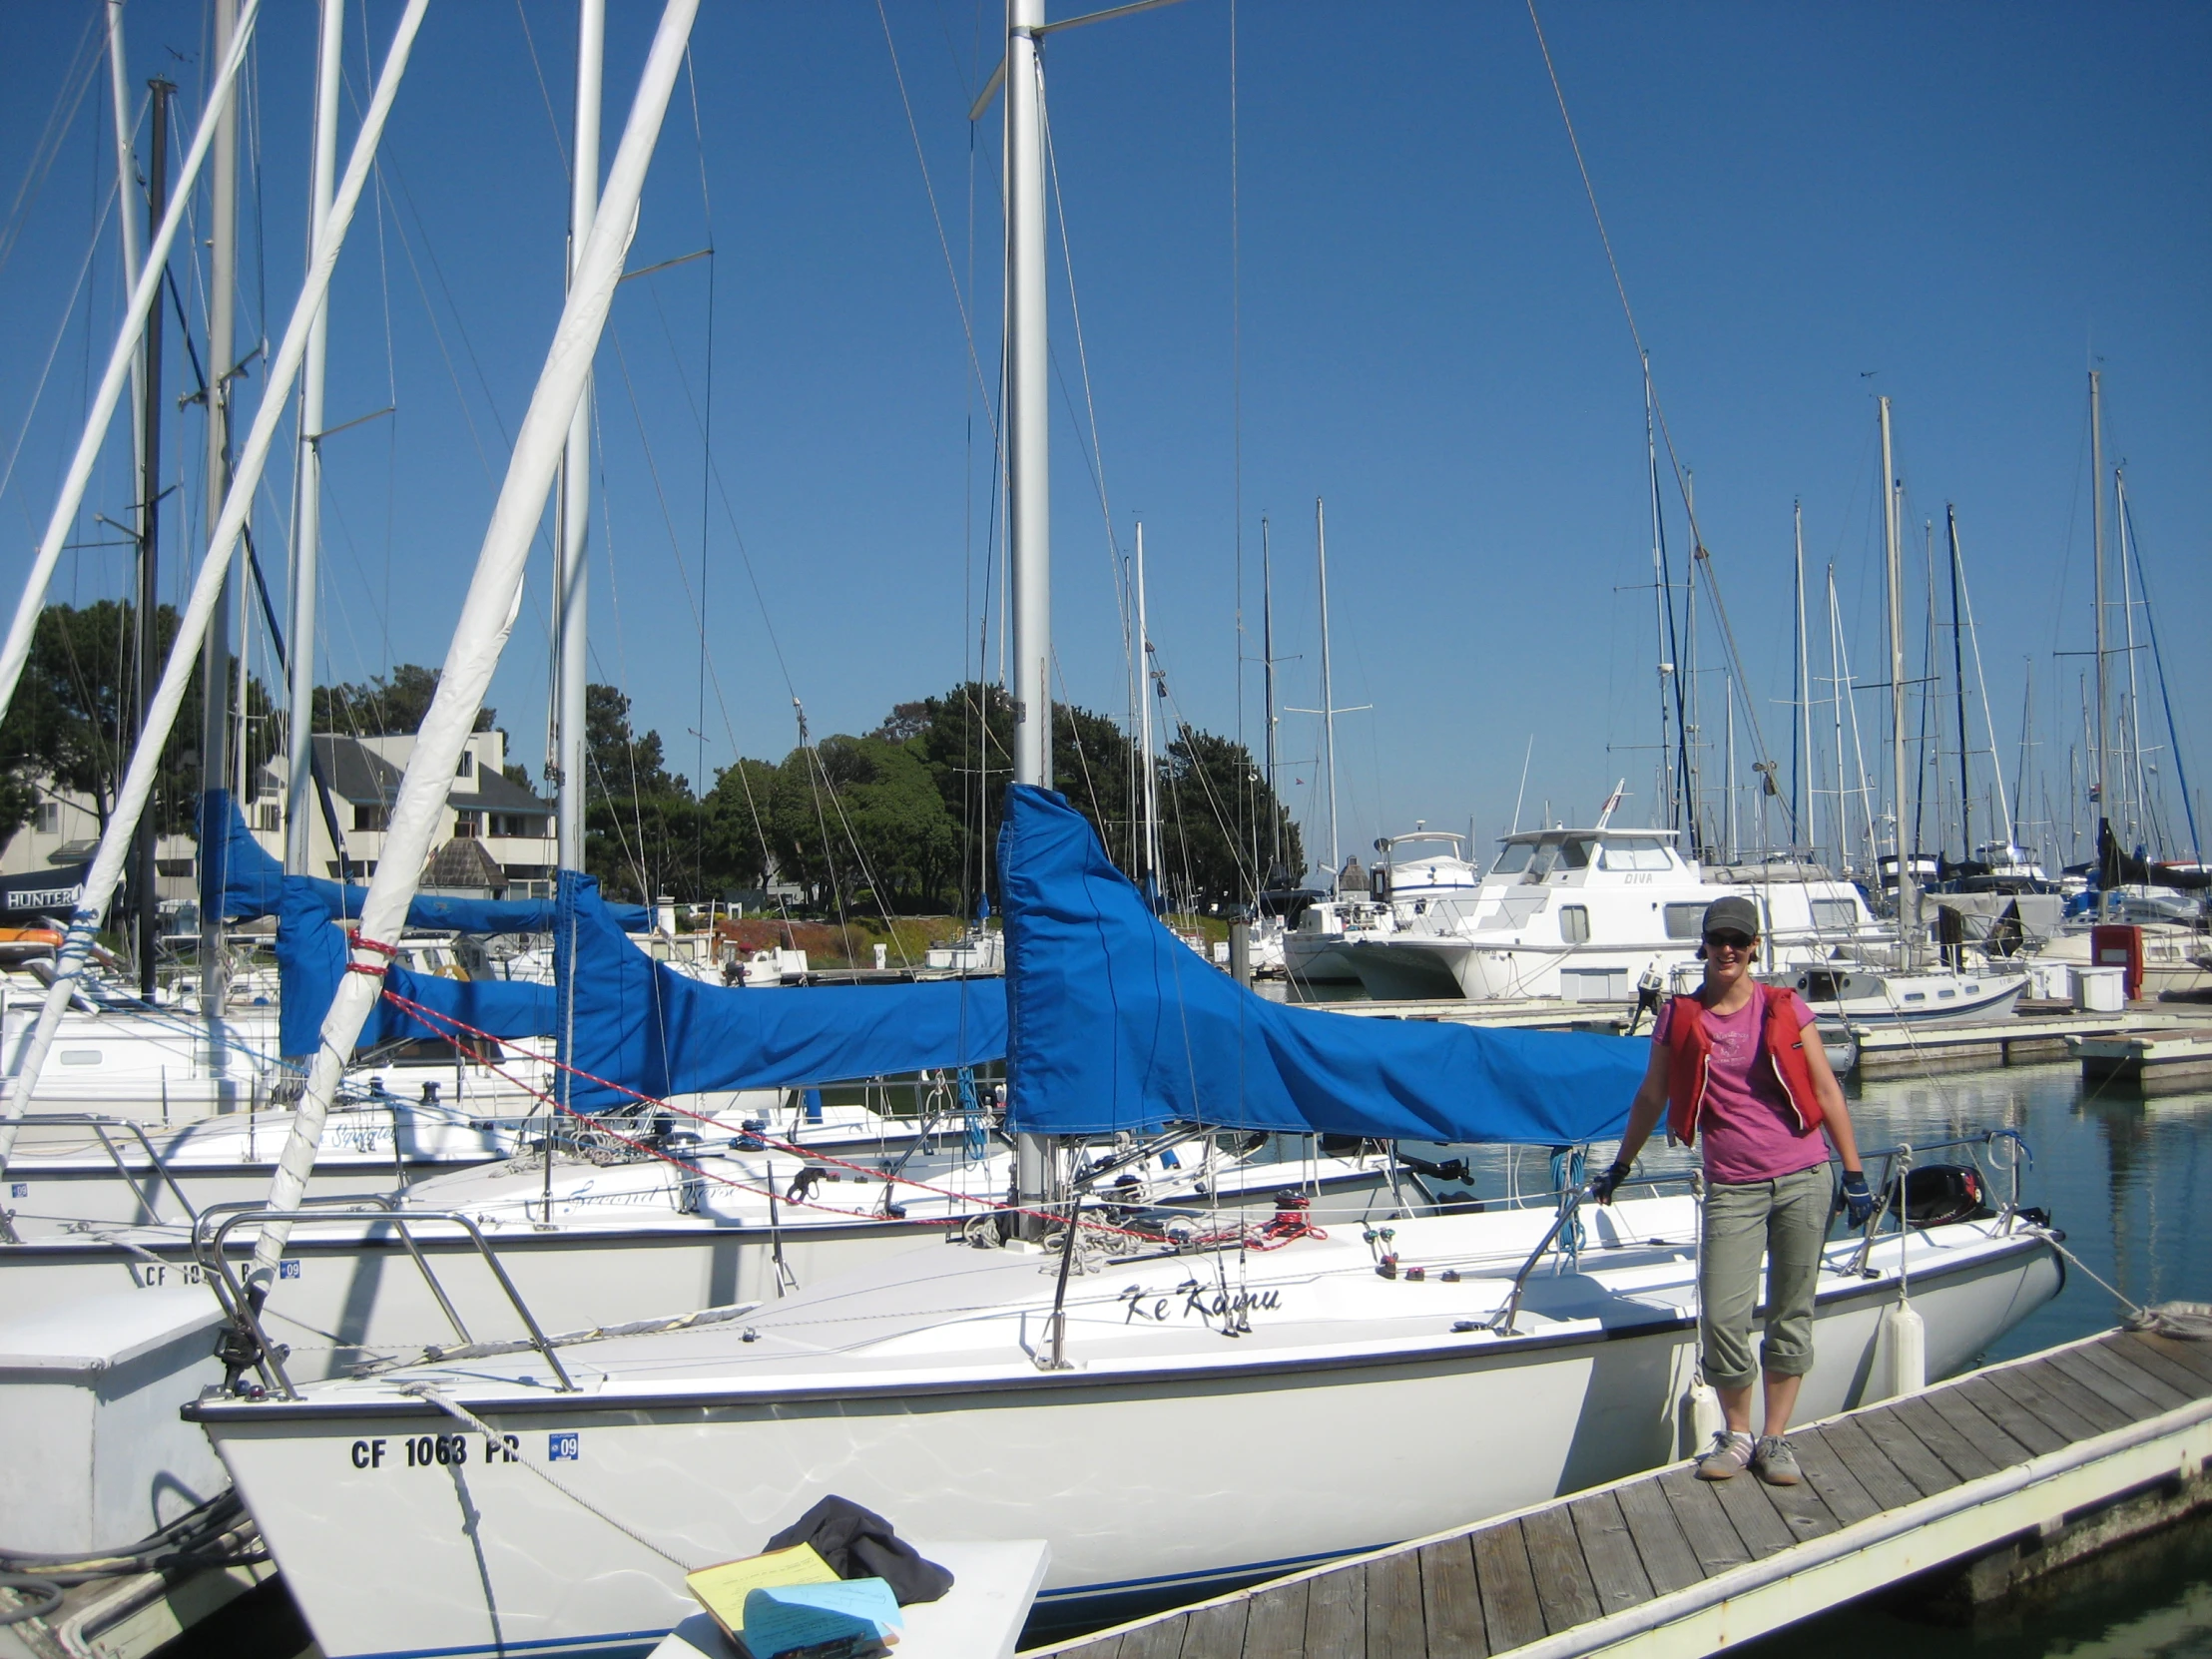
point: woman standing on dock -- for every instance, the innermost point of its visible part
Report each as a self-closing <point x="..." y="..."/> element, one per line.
<point x="1733" y="1061"/>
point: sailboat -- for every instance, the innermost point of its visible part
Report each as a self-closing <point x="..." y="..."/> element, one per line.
<point x="1905" y="991"/>
<point x="1000" y="1391"/>
<point x="553" y="1498"/>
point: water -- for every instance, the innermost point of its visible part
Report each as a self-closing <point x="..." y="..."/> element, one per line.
<point x="2126" y="1178"/>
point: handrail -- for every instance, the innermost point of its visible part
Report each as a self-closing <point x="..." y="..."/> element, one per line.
<point x="245" y="1308"/>
<point x="100" y="1123"/>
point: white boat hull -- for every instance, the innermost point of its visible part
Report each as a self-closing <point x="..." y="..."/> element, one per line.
<point x="1147" y="1481"/>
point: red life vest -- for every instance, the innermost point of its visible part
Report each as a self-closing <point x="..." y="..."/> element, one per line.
<point x="1690" y="1051"/>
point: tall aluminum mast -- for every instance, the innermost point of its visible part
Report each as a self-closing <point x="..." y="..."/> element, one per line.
<point x="1907" y="898"/>
<point x="215" y="660"/>
<point x="2102" y="758"/>
<point x="1029" y="412"/>
<point x="575" y="494"/>
<point x="308" y="477"/>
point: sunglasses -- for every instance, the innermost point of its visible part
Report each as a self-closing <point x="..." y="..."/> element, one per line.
<point x="1728" y="941"/>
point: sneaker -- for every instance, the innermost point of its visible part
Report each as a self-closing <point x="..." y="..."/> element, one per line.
<point x="1728" y="1457"/>
<point x="1774" y="1463"/>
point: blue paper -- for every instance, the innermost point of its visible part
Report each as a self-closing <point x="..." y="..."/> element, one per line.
<point x="786" y="1616"/>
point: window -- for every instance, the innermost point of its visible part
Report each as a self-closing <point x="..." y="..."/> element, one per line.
<point x="1640" y="854"/>
<point x="517" y="823"/>
<point x="1575" y="923"/>
<point x="80" y="1057"/>
<point x="173" y="867"/>
<point x="369" y="814"/>
<point x="1574" y="853"/>
<point x="1835" y="916"/>
<point x="272" y="816"/>
<point x="469" y="826"/>
<point x="49" y="818"/>
<point x="1685" y="921"/>
<point x="467" y="767"/>
<point x="1514" y="859"/>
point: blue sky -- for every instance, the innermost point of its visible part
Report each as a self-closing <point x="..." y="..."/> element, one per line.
<point x="1970" y="203"/>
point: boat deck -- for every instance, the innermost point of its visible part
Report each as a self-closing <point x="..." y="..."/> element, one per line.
<point x="2029" y="1455"/>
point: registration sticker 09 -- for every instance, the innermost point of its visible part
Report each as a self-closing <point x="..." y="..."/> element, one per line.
<point x="564" y="1446"/>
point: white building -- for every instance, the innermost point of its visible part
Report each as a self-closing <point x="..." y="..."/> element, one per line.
<point x="498" y="840"/>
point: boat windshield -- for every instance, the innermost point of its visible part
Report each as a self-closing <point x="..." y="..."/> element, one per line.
<point x="1514" y="859"/>
<point x="1636" y="853"/>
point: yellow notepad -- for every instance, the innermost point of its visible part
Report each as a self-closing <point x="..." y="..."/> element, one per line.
<point x="721" y="1590"/>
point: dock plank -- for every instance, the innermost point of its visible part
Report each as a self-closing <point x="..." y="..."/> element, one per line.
<point x="1907" y="1450"/>
<point x="1802" y="1507"/>
<point x="1616" y="1570"/>
<point x="1713" y="1538"/>
<point x="2086" y="1403"/>
<point x="2135" y="1347"/>
<point x="2122" y="1397"/>
<point x="1885" y="1482"/>
<point x="2141" y="1378"/>
<point x="1763" y="1528"/>
<point x="1393" y="1612"/>
<point x="1565" y="1588"/>
<point x="1217" y="1633"/>
<point x="2023" y="1425"/>
<point x="1958" y="1453"/>
<point x="1511" y="1611"/>
<point x="1163" y="1640"/>
<point x="2196" y="1357"/>
<point x="1987" y="1436"/>
<point x="1668" y="1561"/>
<point x="1278" y="1621"/>
<point x="1451" y="1601"/>
<point x="1335" y="1615"/>
<point x="2023" y="1388"/>
<point x="1827" y="1474"/>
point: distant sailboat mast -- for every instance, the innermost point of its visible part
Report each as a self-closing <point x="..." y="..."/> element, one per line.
<point x="573" y="541"/>
<point x="2101" y="762"/>
<point x="1267" y="683"/>
<point x="1148" y="873"/>
<point x="1907" y="899"/>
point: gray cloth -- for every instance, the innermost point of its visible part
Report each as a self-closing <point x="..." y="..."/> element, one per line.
<point x="1785" y="1222"/>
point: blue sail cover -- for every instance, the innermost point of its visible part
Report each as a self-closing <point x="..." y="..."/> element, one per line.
<point x="639" y="1023"/>
<point x="1116" y="1024"/>
<point x="310" y="958"/>
<point x="241" y="881"/>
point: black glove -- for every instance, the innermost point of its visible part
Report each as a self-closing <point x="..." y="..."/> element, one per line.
<point x="1615" y="1174"/>
<point x="1858" y="1201"/>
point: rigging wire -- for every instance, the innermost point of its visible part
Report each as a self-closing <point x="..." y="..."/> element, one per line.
<point x="1699" y="552"/>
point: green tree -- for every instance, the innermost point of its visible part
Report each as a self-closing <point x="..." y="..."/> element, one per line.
<point x="860" y="822"/>
<point x="386" y="705"/>
<point x="645" y="834"/>
<point x="76" y="707"/>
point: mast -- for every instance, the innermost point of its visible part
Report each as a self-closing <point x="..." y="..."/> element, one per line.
<point x="2139" y="820"/>
<point x="1266" y="683"/>
<point x="1028" y="413"/>
<point x="1908" y="900"/>
<point x="215" y="661"/>
<point x="1801" y="738"/>
<point x="1148" y="874"/>
<point x="2100" y="762"/>
<point x="1728" y="764"/>
<point x="1029" y="459"/>
<point x="126" y="187"/>
<point x="1959" y="684"/>
<point x="150" y="517"/>
<point x="1674" y="750"/>
<point x="575" y="487"/>
<point x="1328" y="694"/>
<point x="307" y="473"/>
<point x="1837" y="679"/>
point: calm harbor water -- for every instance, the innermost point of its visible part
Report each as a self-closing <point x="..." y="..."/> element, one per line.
<point x="2130" y="1182"/>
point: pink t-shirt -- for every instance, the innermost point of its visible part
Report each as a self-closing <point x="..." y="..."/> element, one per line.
<point x="1746" y="1129"/>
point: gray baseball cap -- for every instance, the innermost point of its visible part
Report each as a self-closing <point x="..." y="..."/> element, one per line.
<point x="1734" y="912"/>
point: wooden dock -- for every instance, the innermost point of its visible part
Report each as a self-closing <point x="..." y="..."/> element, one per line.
<point x="2019" y="1466"/>
<point x="2165" y="1061"/>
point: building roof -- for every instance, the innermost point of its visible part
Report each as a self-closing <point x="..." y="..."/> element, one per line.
<point x="462" y="864"/>
<point x="357" y="773"/>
